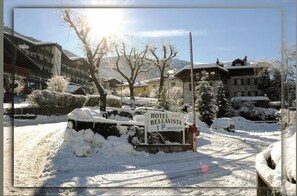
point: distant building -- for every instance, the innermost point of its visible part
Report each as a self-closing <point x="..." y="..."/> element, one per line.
<point x="111" y="84"/>
<point x="146" y="87"/>
<point x="238" y="78"/>
<point x="39" y="61"/>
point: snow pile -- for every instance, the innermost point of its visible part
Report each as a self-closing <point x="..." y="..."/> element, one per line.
<point x="273" y="153"/>
<point x="85" y="142"/>
<point x="84" y="114"/>
<point x="222" y="124"/>
<point x="247" y="125"/>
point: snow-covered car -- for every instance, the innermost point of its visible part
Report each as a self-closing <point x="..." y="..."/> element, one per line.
<point x="223" y="123"/>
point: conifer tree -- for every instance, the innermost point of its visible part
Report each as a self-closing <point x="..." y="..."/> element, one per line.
<point x="222" y="103"/>
<point x="205" y="104"/>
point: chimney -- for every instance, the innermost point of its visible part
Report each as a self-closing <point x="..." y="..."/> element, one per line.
<point x="245" y="60"/>
<point x="218" y="62"/>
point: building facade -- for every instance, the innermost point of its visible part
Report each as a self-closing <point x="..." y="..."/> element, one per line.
<point x="238" y="78"/>
<point x="39" y="61"/>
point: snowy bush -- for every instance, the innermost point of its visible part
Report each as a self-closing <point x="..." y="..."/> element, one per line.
<point x="113" y="101"/>
<point x="52" y="99"/>
<point x="57" y="83"/>
<point x="136" y="136"/>
<point x="249" y="111"/>
<point x="154" y="93"/>
<point x="92" y="100"/>
<point x="125" y="92"/>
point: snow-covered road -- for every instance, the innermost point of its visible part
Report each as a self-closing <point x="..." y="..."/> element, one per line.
<point x="223" y="159"/>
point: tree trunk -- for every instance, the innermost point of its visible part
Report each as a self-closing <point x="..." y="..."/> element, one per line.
<point x="101" y="90"/>
<point x="161" y="86"/>
<point x="132" y="98"/>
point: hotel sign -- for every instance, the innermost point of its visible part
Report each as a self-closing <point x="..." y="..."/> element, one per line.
<point x="164" y="121"/>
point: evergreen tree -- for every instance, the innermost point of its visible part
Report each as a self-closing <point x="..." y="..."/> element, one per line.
<point x="274" y="91"/>
<point x="205" y="104"/>
<point x="222" y="103"/>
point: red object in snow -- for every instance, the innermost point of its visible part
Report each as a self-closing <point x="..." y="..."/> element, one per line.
<point x="194" y="133"/>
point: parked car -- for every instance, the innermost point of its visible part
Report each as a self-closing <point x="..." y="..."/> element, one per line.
<point x="223" y="123"/>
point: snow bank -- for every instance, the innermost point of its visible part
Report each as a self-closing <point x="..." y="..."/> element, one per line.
<point x="247" y="125"/>
<point x="85" y="142"/>
<point x="273" y="176"/>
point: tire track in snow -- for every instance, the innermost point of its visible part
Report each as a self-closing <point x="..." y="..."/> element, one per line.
<point x="31" y="154"/>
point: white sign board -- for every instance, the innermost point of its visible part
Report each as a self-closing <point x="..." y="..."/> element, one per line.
<point x="164" y="121"/>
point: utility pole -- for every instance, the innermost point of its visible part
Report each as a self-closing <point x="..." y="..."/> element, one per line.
<point x="193" y="128"/>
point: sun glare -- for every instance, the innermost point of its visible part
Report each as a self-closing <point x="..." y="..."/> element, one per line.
<point x="105" y="22"/>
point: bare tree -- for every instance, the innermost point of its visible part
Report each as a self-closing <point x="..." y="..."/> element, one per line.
<point x="94" y="50"/>
<point x="285" y="69"/>
<point x="136" y="63"/>
<point x="168" y="52"/>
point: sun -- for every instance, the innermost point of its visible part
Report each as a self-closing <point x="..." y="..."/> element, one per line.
<point x="106" y="22"/>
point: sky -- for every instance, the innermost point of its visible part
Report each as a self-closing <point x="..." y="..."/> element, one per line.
<point x="220" y="29"/>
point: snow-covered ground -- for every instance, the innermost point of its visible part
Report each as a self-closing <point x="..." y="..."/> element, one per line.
<point x="43" y="157"/>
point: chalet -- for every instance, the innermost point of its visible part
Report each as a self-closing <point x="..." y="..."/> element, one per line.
<point x="238" y="78"/>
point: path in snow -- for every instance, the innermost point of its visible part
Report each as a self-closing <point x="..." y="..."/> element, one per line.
<point x="33" y="143"/>
<point x="222" y="160"/>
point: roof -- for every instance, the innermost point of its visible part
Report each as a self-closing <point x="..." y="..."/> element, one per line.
<point x="203" y="66"/>
<point x="250" y="98"/>
<point x="71" y="55"/>
<point x="110" y="79"/>
<point x="73" y="89"/>
<point x="31" y="40"/>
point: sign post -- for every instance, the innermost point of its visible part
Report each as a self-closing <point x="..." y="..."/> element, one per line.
<point x="157" y="121"/>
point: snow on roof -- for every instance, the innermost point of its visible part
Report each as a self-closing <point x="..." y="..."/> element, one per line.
<point x="71" y="88"/>
<point x="202" y="66"/>
<point x="250" y="98"/>
<point x="26" y="38"/>
<point x="240" y="66"/>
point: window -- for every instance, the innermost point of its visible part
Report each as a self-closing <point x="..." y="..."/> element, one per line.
<point x="238" y="82"/>
<point x="238" y="93"/>
<point x="190" y="87"/>
<point x="212" y="73"/>
<point x="197" y="76"/>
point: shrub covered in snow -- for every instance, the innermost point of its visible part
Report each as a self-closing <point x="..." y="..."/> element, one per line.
<point x="113" y="101"/>
<point x="136" y="136"/>
<point x="249" y="111"/>
<point x="57" y="83"/>
<point x="92" y="100"/>
<point x="50" y="99"/>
